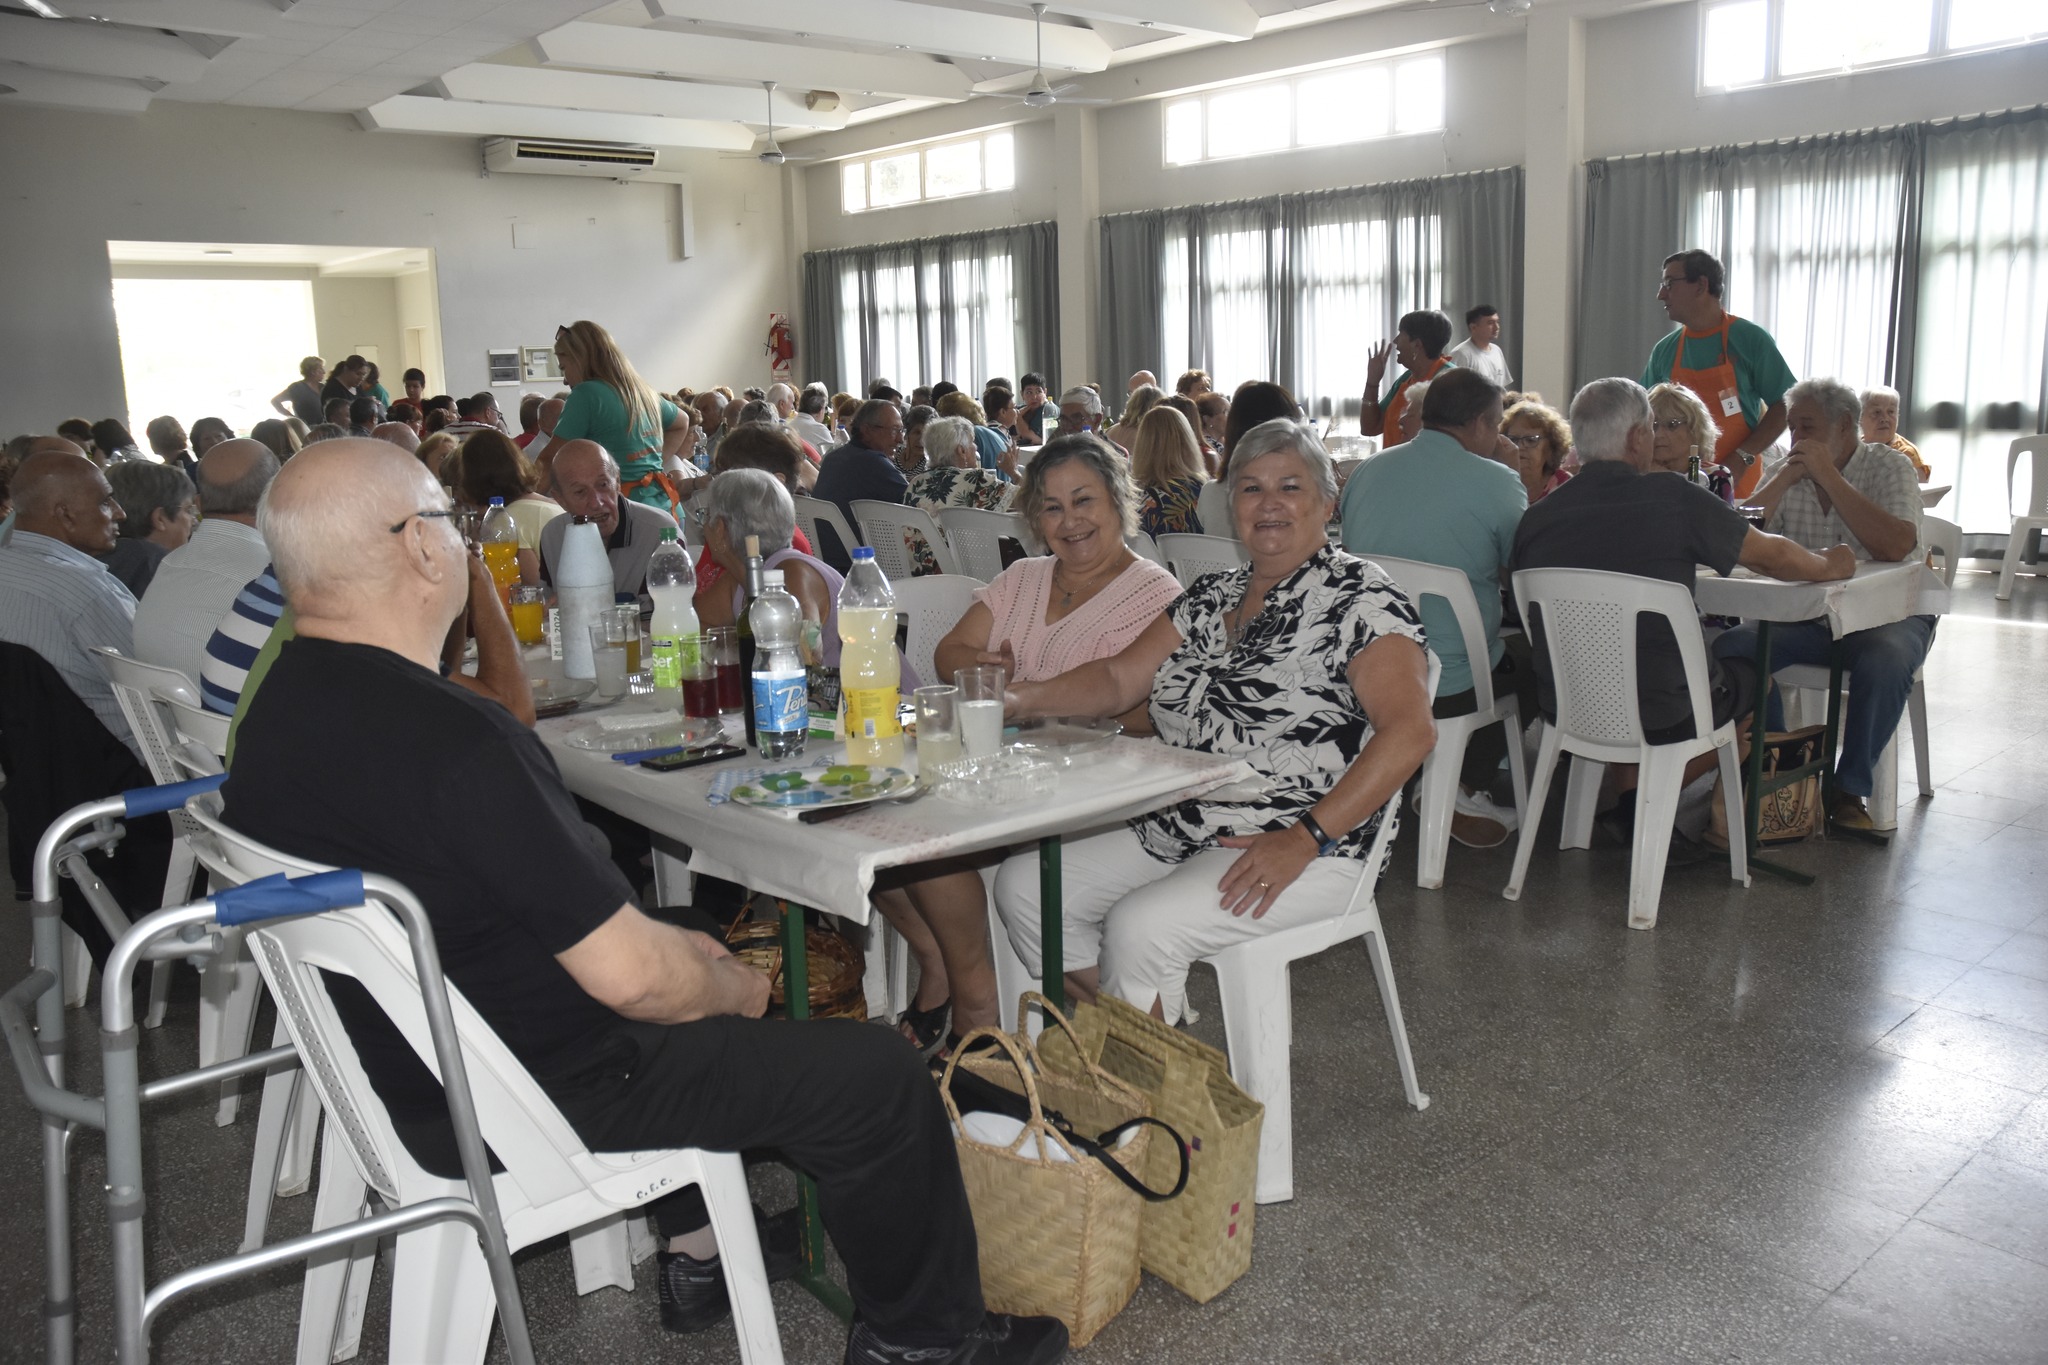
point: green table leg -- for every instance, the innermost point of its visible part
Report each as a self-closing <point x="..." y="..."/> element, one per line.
<point x="1052" y="922"/>
<point x="1753" y="796"/>
<point x="796" y="989"/>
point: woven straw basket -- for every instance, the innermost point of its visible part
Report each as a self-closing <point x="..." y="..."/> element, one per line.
<point x="1057" y="1237"/>
<point x="1201" y="1242"/>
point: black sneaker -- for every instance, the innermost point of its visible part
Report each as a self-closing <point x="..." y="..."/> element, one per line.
<point x="1001" y="1339"/>
<point x="692" y="1292"/>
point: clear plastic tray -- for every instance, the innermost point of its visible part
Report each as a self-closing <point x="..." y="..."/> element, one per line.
<point x="1063" y="741"/>
<point x="999" y="779"/>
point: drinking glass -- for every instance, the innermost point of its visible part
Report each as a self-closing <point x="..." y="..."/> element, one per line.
<point x="938" y="728"/>
<point x="981" y="708"/>
<point x="722" y="652"/>
<point x="608" y="650"/>
<point x="628" y="616"/>
<point x="1755" y="515"/>
<point x="529" y="613"/>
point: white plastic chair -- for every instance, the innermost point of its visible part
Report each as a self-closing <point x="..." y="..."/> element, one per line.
<point x="1213" y="508"/>
<point x="811" y="513"/>
<point x="2035" y="518"/>
<point x="1144" y="547"/>
<point x="977" y="538"/>
<point x="441" y="1300"/>
<point x="1438" y="794"/>
<point x="890" y="525"/>
<point x="1192" y="556"/>
<point x="935" y="604"/>
<point x="1586" y="621"/>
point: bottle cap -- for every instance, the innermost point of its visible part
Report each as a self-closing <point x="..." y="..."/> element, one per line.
<point x="753" y="547"/>
<point x="497" y="502"/>
<point x="863" y="552"/>
<point x="771" y="578"/>
<point x="668" y="533"/>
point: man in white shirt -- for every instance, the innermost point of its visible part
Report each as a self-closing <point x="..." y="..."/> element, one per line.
<point x="1478" y="351"/>
<point x="197" y="583"/>
<point x="809" y="423"/>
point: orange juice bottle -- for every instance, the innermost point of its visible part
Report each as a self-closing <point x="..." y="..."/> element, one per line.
<point x="501" y="549"/>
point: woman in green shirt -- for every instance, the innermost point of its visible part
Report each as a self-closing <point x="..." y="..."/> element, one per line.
<point x="609" y="403"/>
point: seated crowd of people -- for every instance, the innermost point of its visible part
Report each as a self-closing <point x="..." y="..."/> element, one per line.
<point x="309" y="579"/>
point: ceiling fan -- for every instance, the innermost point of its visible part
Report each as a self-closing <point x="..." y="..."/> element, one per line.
<point x="772" y="154"/>
<point x="1042" y="93"/>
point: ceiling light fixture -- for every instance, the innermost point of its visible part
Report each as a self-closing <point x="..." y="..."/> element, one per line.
<point x="47" y="11"/>
<point x="1509" y="7"/>
<point x="217" y="251"/>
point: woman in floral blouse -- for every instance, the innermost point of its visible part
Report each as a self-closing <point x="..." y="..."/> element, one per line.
<point x="1309" y="665"/>
<point x="1166" y="463"/>
<point x="953" y="477"/>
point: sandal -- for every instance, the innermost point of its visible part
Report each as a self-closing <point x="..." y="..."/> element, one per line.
<point x="945" y="1054"/>
<point x="928" y="1027"/>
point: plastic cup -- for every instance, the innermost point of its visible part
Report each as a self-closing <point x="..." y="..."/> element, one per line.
<point x="529" y="613"/>
<point x="981" y="708"/>
<point x="608" y="652"/>
<point x="938" y="727"/>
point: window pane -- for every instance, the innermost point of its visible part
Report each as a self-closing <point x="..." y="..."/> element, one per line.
<point x="1815" y="36"/>
<point x="1242" y="122"/>
<point x="1732" y="47"/>
<point x="1889" y="30"/>
<point x="853" y="186"/>
<point x="952" y="169"/>
<point x="1347" y="107"/>
<point x="1419" y="95"/>
<point x="1183" y="132"/>
<point x="999" y="163"/>
<point x="1973" y="23"/>
<point x="893" y="179"/>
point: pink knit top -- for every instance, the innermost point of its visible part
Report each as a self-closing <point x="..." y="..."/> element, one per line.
<point x="1098" y="628"/>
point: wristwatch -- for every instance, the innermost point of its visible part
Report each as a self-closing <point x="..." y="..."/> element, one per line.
<point x="1324" y="843"/>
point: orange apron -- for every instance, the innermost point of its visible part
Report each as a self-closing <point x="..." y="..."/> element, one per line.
<point x="666" y="482"/>
<point x="1717" y="388"/>
<point x="1397" y="401"/>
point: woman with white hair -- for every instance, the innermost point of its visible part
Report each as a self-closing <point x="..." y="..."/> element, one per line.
<point x="1880" y="426"/>
<point x="1309" y="665"/>
<point x="753" y="502"/>
<point x="952" y="477"/>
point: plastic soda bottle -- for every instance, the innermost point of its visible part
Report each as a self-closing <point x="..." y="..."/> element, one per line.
<point x="870" y="672"/>
<point x="500" y="536"/>
<point x="782" y="713"/>
<point x="678" y="654"/>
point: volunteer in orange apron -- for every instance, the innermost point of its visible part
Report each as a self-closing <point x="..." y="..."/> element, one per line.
<point x="1744" y="383"/>
<point x="610" y="403"/>
<point x="1419" y="344"/>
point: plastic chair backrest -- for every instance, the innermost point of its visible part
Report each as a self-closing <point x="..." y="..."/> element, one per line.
<point x="519" y="1122"/>
<point x="144" y="691"/>
<point x="202" y="739"/>
<point x="977" y="539"/>
<point x="1144" y="547"/>
<point x="935" y="604"/>
<point x="2037" y="495"/>
<point x="1192" y="556"/>
<point x="1945" y="538"/>
<point x="1586" y="621"/>
<point x="811" y="513"/>
<point x="1212" y="508"/>
<point x="890" y="525"/>
<point x="1419" y="580"/>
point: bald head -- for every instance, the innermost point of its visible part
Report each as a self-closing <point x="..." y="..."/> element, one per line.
<point x="327" y="518"/>
<point x="784" y="399"/>
<point x="1140" y="380"/>
<point x="587" y="483"/>
<point x="232" y="477"/>
<point x="399" y="434"/>
<point x="63" y="495"/>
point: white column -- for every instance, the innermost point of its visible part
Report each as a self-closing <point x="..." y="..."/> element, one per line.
<point x="1077" y="202"/>
<point x="1554" y="120"/>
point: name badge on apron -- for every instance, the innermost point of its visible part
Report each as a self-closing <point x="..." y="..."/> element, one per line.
<point x="1731" y="403"/>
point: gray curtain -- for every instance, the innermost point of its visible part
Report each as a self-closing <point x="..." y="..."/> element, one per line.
<point x="1297" y="287"/>
<point x="964" y="307"/>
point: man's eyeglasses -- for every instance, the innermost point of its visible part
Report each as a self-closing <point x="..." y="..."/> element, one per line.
<point x="1671" y="281"/>
<point x="424" y="513"/>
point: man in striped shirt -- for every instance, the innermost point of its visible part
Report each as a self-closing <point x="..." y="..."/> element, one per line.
<point x="238" y="640"/>
<point x="55" y="598"/>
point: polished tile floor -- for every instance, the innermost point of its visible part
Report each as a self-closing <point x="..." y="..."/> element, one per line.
<point x="1789" y="1125"/>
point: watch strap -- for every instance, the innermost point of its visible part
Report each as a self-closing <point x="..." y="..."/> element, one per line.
<point x="1324" y="843"/>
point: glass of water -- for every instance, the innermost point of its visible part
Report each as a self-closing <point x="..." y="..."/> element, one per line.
<point x="938" y="727"/>
<point x="981" y="708"/>
<point x="608" y="651"/>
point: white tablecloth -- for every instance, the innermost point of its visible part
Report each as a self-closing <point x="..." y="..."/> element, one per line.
<point x="1879" y="594"/>
<point x="832" y="866"/>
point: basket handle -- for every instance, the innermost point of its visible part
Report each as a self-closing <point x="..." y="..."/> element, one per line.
<point x="1036" y="1123"/>
<point x="1053" y="1015"/>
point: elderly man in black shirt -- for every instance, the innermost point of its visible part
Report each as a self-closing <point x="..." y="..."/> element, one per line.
<point x="357" y="752"/>
<point x="1620" y="515"/>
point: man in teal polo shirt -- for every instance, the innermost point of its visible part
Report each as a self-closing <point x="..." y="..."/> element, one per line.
<point x="1442" y="499"/>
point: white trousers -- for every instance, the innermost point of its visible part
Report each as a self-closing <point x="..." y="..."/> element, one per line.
<point x="1144" y="922"/>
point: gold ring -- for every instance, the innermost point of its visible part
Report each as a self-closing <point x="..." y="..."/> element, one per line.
<point x="1264" y="886"/>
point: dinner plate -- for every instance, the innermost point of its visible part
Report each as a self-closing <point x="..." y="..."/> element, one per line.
<point x="554" y="691"/>
<point x="842" y="784"/>
<point x="663" y="730"/>
<point x="1063" y="740"/>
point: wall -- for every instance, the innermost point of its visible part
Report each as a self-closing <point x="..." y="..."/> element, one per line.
<point x="202" y="173"/>
<point x="1642" y="81"/>
<point x="417" y="302"/>
<point x="351" y="312"/>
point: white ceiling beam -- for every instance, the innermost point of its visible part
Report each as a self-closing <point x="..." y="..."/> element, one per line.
<point x="62" y="90"/>
<point x="923" y="28"/>
<point x="647" y="51"/>
<point x="423" y="114"/>
<point x="98" y="50"/>
<point x="226" y="18"/>
<point x="631" y="95"/>
<point x="1231" y="20"/>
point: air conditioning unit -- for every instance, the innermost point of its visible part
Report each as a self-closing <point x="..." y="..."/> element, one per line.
<point x="535" y="156"/>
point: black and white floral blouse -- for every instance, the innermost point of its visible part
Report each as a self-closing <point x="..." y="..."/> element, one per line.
<point x="951" y="486"/>
<point x="1279" y="698"/>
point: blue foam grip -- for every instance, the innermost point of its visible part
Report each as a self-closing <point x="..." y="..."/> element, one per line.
<point x="277" y="896"/>
<point x="171" y="796"/>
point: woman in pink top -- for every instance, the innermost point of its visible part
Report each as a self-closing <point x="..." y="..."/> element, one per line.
<point x="1044" y="615"/>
